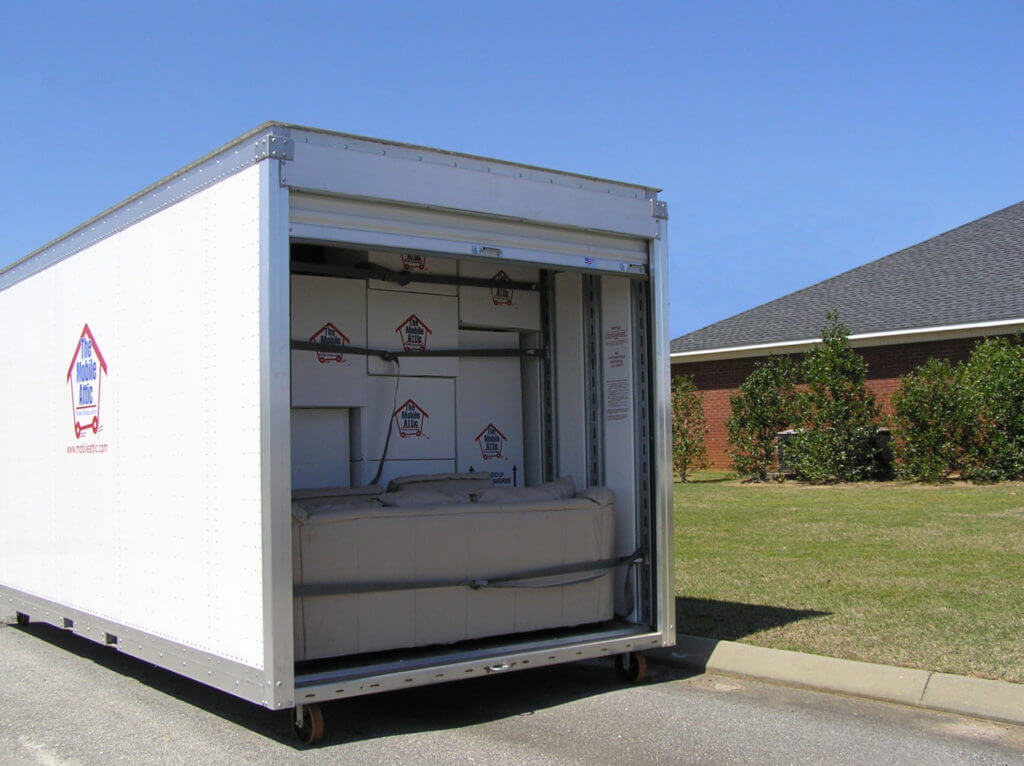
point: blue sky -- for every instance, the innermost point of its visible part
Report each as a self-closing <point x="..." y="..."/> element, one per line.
<point x="793" y="140"/>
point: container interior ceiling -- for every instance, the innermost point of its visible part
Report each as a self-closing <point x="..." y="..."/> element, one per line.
<point x="548" y="379"/>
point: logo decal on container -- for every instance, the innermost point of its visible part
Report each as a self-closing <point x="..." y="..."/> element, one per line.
<point x="412" y="262"/>
<point x="413" y="334"/>
<point x="85" y="374"/>
<point x="411" y="419"/>
<point x="331" y="336"/>
<point x="491" y="441"/>
<point x="502" y="296"/>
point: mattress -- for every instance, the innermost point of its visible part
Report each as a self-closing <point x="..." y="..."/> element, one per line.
<point x="359" y="567"/>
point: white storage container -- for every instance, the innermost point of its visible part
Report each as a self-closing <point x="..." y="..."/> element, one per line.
<point x="420" y="416"/>
<point x="412" y="322"/>
<point x="320" y="448"/>
<point x="150" y="455"/>
<point x="416" y="265"/>
<point x="490" y="426"/>
<point x="501" y="307"/>
<point x="330" y="311"/>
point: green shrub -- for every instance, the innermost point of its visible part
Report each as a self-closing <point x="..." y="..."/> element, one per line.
<point x="935" y="421"/>
<point x="688" y="427"/>
<point x="764" y="405"/>
<point x="994" y="388"/>
<point x="838" y="438"/>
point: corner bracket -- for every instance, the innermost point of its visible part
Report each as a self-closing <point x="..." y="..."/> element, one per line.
<point x="274" y="148"/>
<point x="659" y="210"/>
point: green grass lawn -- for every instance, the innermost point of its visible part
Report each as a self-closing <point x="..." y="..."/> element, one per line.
<point x="919" y="576"/>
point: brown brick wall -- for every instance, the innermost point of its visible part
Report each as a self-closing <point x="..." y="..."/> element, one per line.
<point x="719" y="380"/>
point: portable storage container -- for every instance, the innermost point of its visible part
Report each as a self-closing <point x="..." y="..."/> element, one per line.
<point x="209" y="378"/>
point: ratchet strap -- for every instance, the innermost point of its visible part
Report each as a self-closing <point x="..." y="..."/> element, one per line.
<point x="517" y="580"/>
<point x="391" y="355"/>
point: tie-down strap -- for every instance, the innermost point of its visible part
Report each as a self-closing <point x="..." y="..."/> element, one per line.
<point x="517" y="580"/>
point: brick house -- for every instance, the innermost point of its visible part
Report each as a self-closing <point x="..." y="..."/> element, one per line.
<point x="935" y="299"/>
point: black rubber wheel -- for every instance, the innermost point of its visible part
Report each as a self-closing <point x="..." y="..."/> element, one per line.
<point x="312" y="729"/>
<point x="21" y="618"/>
<point x="631" y="667"/>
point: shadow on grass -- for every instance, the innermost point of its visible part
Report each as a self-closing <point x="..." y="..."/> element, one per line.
<point x="712" y="478"/>
<point x="730" y="620"/>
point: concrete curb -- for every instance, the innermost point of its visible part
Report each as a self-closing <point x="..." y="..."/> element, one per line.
<point x="977" y="697"/>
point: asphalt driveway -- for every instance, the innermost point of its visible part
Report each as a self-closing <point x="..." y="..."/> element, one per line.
<point x="64" y="700"/>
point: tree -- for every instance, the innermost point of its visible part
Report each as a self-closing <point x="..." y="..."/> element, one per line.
<point x="994" y="386"/>
<point x="764" y="405"/>
<point x="688" y="427"/>
<point x="935" y="421"/>
<point x="838" y="439"/>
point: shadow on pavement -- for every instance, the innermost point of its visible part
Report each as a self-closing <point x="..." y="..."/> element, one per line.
<point x="731" y="620"/>
<point x="427" y="708"/>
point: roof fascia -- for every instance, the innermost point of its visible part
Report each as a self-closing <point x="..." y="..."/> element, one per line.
<point x="859" y="340"/>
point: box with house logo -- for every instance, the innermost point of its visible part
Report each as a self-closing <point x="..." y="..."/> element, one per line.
<point x="421" y="418"/>
<point x="320" y="448"/>
<point x="412" y="322"/>
<point x="330" y="311"/>
<point x="498" y="306"/>
<point x="489" y="434"/>
<point x="414" y="263"/>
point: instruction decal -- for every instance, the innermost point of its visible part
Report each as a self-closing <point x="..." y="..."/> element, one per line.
<point x="84" y="377"/>
<point x="500" y="295"/>
<point x="411" y="419"/>
<point x="331" y="336"/>
<point x="490" y="441"/>
<point x="413" y="333"/>
<point x="412" y="262"/>
<point x="618" y="393"/>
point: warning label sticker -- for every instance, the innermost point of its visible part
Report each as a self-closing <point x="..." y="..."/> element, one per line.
<point x="618" y="391"/>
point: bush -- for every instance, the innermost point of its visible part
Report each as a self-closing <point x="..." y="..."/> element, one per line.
<point x="688" y="427"/>
<point x="935" y="421"/>
<point x="764" y="405"/>
<point x="994" y="391"/>
<point x="838" y="439"/>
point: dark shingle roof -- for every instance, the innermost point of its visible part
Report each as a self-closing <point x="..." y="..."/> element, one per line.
<point x="974" y="273"/>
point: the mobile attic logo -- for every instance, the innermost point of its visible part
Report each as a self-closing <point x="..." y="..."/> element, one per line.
<point x="490" y="441"/>
<point x="413" y="334"/>
<point x="329" y="335"/>
<point x="502" y="296"/>
<point x="411" y="419"/>
<point x="412" y="262"/>
<point x="84" y="377"/>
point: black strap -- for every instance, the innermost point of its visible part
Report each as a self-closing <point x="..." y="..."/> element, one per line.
<point x="391" y="425"/>
<point x="330" y="348"/>
<point x="402" y="278"/>
<point x="510" y="580"/>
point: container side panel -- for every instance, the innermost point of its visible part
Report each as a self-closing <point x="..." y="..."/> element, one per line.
<point x="131" y="460"/>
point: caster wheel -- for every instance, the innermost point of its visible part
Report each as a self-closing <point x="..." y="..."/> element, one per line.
<point x="312" y="729"/>
<point x="631" y="667"/>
